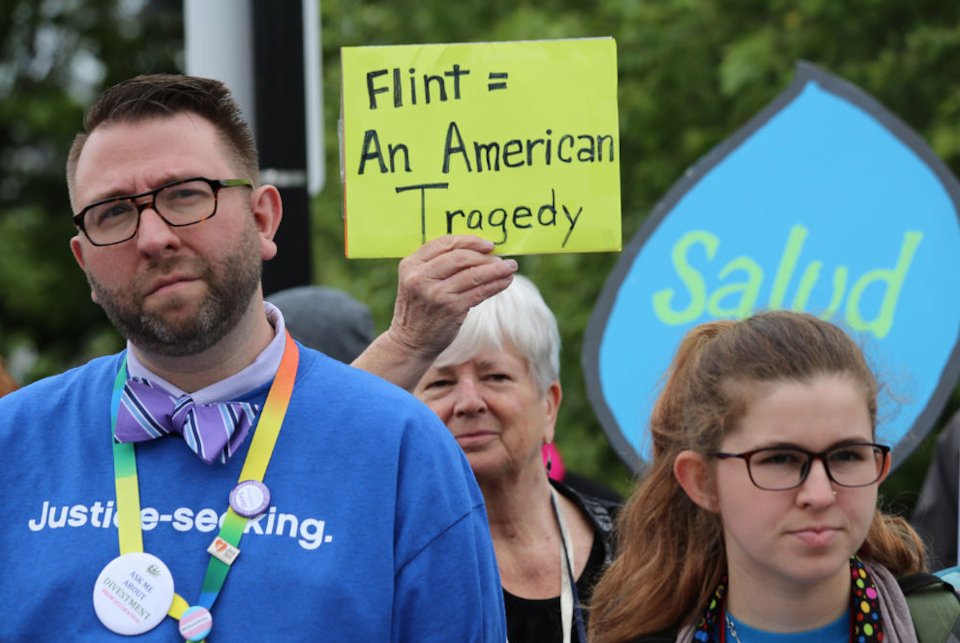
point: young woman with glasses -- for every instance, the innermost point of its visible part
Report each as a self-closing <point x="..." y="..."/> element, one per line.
<point x="757" y="520"/>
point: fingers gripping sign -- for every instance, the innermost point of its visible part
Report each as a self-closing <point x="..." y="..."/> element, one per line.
<point x="438" y="284"/>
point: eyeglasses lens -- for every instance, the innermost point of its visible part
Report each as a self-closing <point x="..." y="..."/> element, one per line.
<point x="850" y="466"/>
<point x="179" y="204"/>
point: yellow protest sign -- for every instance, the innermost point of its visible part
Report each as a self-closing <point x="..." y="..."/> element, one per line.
<point x="516" y="142"/>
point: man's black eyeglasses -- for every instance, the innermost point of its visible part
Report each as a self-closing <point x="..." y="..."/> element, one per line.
<point x="179" y="203"/>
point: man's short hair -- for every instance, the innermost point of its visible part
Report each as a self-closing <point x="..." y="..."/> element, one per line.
<point x="162" y="95"/>
<point x="517" y="316"/>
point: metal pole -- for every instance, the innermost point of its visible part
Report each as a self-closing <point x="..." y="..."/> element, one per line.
<point x="278" y="64"/>
<point x="268" y="53"/>
<point x="218" y="44"/>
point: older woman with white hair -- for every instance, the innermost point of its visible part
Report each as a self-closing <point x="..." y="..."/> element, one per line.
<point x="497" y="389"/>
<point x="496" y="386"/>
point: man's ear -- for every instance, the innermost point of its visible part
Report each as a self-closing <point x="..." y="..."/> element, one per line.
<point x="696" y="479"/>
<point x="76" y="247"/>
<point x="267" y="208"/>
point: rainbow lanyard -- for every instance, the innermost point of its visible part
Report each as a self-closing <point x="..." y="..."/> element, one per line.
<point x="254" y="468"/>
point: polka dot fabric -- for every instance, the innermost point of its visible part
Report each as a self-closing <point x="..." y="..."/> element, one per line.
<point x="712" y="616"/>
<point x="864" y="605"/>
<point x="866" y="624"/>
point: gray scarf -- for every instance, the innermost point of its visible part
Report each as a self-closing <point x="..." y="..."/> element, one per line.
<point x="897" y="623"/>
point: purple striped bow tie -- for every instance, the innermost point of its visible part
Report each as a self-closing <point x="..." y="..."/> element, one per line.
<point x="212" y="431"/>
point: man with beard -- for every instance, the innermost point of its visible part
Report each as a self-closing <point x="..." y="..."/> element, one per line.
<point x="357" y="516"/>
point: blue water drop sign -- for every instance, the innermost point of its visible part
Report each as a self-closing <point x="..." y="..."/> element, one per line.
<point x="825" y="202"/>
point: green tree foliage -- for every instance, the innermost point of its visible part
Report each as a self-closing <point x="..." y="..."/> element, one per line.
<point x="54" y="56"/>
<point x="691" y="73"/>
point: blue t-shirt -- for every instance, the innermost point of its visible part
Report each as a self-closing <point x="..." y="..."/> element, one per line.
<point x="837" y="631"/>
<point x="376" y="529"/>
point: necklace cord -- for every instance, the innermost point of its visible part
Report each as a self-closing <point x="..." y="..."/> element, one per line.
<point x="254" y="468"/>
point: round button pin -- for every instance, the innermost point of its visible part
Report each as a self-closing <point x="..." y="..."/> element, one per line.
<point x="195" y="623"/>
<point x="250" y="498"/>
<point x="133" y="593"/>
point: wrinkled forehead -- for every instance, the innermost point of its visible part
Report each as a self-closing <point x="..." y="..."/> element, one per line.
<point x="129" y="157"/>
<point x="481" y="357"/>
<point x="457" y="354"/>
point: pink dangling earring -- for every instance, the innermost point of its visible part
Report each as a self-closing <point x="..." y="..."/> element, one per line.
<point x="554" y="469"/>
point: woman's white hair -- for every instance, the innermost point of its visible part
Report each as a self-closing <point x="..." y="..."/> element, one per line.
<point x="518" y="317"/>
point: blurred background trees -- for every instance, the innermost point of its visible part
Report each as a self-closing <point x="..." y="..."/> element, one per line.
<point x="54" y="58"/>
<point x="691" y="73"/>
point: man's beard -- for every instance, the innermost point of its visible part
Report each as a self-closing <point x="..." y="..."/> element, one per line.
<point x="231" y="283"/>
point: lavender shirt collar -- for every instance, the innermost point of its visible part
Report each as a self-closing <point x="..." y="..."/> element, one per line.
<point x="261" y="371"/>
